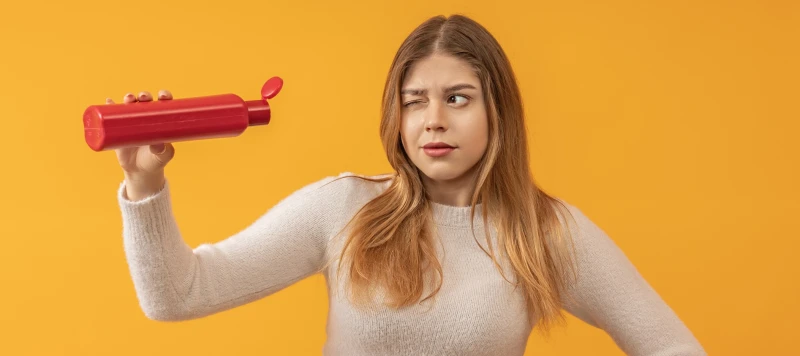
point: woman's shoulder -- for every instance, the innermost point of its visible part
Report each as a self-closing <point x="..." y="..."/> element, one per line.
<point x="569" y="214"/>
<point x="329" y="199"/>
<point x="346" y="188"/>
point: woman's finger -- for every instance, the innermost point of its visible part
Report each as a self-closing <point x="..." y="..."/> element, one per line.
<point x="109" y="101"/>
<point x="129" y="98"/>
<point x="145" y="96"/>
<point x="164" y="95"/>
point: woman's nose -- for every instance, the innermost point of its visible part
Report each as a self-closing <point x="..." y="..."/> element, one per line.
<point x="435" y="119"/>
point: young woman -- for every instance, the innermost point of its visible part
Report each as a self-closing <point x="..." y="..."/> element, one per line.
<point x="456" y="252"/>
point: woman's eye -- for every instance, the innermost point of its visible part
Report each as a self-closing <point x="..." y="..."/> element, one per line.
<point x="457" y="99"/>
<point x="410" y="103"/>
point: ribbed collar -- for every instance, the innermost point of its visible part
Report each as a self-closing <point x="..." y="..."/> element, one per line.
<point x="456" y="216"/>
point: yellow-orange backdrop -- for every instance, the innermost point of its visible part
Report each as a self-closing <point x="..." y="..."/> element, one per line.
<point x="672" y="124"/>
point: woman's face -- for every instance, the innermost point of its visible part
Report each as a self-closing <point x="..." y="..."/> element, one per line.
<point x="444" y="126"/>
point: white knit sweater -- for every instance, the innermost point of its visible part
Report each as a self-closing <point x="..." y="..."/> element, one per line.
<point x="476" y="312"/>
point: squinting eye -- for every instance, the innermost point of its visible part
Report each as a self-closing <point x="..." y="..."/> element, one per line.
<point x="453" y="99"/>
<point x="410" y="103"/>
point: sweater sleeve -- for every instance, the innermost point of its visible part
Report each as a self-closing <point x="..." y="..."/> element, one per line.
<point x="175" y="282"/>
<point x="611" y="294"/>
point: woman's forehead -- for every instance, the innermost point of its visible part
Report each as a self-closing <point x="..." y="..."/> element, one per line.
<point x="440" y="72"/>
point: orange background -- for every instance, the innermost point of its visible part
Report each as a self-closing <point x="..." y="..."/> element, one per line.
<point x="672" y="124"/>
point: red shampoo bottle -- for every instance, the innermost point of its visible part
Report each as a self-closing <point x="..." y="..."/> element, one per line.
<point x="114" y="126"/>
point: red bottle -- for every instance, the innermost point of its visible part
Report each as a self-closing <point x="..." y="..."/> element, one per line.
<point x="113" y="126"/>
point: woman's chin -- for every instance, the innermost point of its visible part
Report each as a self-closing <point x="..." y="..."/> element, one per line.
<point x="442" y="175"/>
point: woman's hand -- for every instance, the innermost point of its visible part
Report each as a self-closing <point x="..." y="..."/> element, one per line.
<point x="143" y="166"/>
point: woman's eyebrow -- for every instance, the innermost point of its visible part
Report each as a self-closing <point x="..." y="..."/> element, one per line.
<point x="454" y="88"/>
<point x="458" y="87"/>
<point x="413" y="91"/>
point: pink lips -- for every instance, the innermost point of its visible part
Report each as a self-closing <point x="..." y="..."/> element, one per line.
<point x="437" y="149"/>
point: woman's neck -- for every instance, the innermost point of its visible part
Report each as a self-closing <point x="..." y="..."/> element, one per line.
<point x="454" y="192"/>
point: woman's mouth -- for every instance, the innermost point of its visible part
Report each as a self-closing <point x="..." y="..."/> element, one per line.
<point x="437" y="149"/>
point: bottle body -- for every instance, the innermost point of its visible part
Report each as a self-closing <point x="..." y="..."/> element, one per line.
<point x="144" y="123"/>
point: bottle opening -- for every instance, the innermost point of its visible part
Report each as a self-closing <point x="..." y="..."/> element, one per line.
<point x="258" y="112"/>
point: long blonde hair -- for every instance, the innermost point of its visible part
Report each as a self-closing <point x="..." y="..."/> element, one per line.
<point x="391" y="244"/>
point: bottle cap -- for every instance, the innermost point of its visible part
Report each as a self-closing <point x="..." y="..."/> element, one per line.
<point x="258" y="110"/>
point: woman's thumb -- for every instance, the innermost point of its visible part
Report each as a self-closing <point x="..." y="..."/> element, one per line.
<point x="163" y="151"/>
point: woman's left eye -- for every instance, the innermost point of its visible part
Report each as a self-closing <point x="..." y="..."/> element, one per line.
<point x="457" y="99"/>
